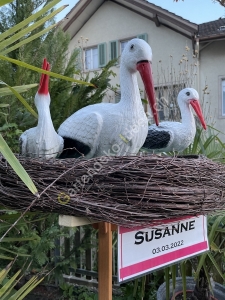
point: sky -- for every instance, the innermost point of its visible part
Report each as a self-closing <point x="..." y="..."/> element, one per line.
<point x="196" y="11"/>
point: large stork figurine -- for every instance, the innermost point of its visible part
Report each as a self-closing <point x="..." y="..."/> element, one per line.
<point x="42" y="141"/>
<point x="176" y="136"/>
<point x="114" y="129"/>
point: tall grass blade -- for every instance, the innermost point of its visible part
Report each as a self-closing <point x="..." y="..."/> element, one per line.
<point x="28" y="20"/>
<point x="25" y="65"/>
<point x="167" y="280"/>
<point x="4" y="2"/>
<point x="20" y="89"/>
<point x="22" y="100"/>
<point x="183" y="274"/>
<point x="28" y="29"/>
<point x="8" y="284"/>
<point x="28" y="40"/>
<point x="16" y="165"/>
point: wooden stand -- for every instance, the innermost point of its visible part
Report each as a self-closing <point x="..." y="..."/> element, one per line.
<point x="104" y="253"/>
<point x="104" y="261"/>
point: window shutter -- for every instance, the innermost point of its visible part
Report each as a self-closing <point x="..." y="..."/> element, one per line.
<point x="113" y="50"/>
<point x="117" y="96"/>
<point x="102" y="55"/>
<point x="79" y="60"/>
<point x="223" y="97"/>
<point x="143" y="36"/>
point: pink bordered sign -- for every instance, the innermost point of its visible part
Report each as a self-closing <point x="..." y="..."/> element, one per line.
<point x="144" y="249"/>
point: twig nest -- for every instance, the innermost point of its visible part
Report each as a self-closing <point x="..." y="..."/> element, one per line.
<point x="128" y="191"/>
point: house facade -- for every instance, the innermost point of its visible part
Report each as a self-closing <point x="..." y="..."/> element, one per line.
<point x="184" y="53"/>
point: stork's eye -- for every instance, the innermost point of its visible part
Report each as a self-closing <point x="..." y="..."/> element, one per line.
<point x="132" y="47"/>
<point x="188" y="93"/>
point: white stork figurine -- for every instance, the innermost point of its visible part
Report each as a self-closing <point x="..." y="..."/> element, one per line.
<point x="42" y="141"/>
<point x="114" y="129"/>
<point x="176" y="136"/>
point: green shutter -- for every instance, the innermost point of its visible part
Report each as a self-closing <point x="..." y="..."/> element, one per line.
<point x="102" y="55"/>
<point x="143" y="36"/>
<point x="79" y="59"/>
<point x="113" y="50"/>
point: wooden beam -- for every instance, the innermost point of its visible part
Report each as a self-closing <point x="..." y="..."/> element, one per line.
<point x="105" y="261"/>
<point x="71" y="221"/>
<point x="156" y="20"/>
<point x="193" y="44"/>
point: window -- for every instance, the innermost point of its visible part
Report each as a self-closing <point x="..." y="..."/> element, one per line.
<point x="113" y="50"/>
<point x="117" y="96"/>
<point x="116" y="47"/>
<point x="123" y="45"/>
<point x="143" y="36"/>
<point x="223" y="97"/>
<point x="167" y="102"/>
<point x="95" y="57"/>
<point x="91" y="58"/>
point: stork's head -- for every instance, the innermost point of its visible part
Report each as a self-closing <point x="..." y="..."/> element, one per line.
<point x="190" y="96"/>
<point x="43" y="92"/>
<point x="137" y="56"/>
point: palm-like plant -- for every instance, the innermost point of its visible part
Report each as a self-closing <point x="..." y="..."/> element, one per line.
<point x="7" y="284"/>
<point x="210" y="264"/>
<point x="208" y="144"/>
<point x="10" y="40"/>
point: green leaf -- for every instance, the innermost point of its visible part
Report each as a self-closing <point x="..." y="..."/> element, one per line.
<point x="5" y="271"/>
<point x="25" y="65"/>
<point x="20" y="89"/>
<point x="135" y="287"/>
<point x="29" y="288"/>
<point x="9" y="283"/>
<point x="216" y="265"/>
<point x="173" y="272"/>
<point x="183" y="273"/>
<point x="22" y="100"/>
<point x="30" y="19"/>
<point x="6" y="257"/>
<point x="8" y="239"/>
<point x="16" y="165"/>
<point x="167" y="280"/>
<point x="214" y="247"/>
<point x="4" y="2"/>
<point x="28" y="40"/>
<point x="13" y="252"/>
<point x="28" y="29"/>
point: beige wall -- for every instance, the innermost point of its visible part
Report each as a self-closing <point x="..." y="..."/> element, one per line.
<point x="212" y="69"/>
<point x="113" y="22"/>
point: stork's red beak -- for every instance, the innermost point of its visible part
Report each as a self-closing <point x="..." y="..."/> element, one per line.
<point x="195" y="104"/>
<point x="145" y="70"/>
<point x="43" y="87"/>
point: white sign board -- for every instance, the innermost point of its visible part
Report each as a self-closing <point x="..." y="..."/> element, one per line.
<point x="142" y="250"/>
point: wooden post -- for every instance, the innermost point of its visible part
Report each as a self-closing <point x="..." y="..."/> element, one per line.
<point x="105" y="261"/>
<point x="104" y="251"/>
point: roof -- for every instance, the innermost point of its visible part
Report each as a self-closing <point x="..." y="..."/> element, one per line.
<point x="212" y="30"/>
<point x="84" y="9"/>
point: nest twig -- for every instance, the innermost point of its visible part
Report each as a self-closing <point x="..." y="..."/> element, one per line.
<point x="127" y="191"/>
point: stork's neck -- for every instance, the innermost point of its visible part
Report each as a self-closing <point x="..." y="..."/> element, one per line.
<point x="187" y="116"/>
<point x="42" y="103"/>
<point x="130" y="95"/>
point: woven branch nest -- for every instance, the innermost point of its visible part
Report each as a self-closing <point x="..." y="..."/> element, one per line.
<point x="127" y="191"/>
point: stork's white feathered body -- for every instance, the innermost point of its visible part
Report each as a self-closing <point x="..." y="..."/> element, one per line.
<point x="114" y="129"/>
<point x="177" y="136"/>
<point x="42" y="141"/>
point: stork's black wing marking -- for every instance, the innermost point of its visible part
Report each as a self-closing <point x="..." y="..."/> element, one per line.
<point x="157" y="139"/>
<point x="74" y="149"/>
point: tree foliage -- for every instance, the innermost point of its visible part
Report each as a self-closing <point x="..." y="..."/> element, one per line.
<point x="221" y="2"/>
<point x="54" y="45"/>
